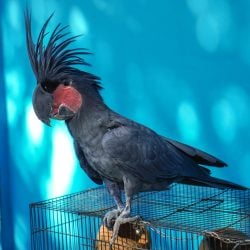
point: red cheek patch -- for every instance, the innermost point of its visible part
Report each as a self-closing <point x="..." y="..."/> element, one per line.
<point x="68" y="96"/>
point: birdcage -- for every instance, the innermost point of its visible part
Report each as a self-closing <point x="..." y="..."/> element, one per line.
<point x="182" y="217"/>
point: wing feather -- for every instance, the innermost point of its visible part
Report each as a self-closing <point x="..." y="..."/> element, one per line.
<point x="197" y="155"/>
<point x="140" y="151"/>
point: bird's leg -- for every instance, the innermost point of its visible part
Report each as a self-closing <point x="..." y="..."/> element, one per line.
<point x="115" y="192"/>
<point x="124" y="215"/>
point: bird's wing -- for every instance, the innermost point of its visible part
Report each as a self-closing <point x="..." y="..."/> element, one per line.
<point x="197" y="155"/>
<point x="144" y="154"/>
<point x="85" y="165"/>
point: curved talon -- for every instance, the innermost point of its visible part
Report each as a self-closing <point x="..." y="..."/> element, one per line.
<point x="120" y="220"/>
<point x="110" y="246"/>
<point x="110" y="218"/>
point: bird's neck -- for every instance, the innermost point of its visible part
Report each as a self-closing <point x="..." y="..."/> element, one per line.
<point x="88" y="124"/>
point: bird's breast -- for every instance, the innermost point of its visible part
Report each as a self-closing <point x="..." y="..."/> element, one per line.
<point x="101" y="162"/>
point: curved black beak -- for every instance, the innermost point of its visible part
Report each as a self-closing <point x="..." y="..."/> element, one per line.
<point x="42" y="104"/>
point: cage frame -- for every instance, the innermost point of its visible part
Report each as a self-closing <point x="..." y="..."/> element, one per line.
<point x="176" y="218"/>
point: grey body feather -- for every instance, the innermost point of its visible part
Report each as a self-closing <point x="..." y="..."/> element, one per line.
<point x="115" y="148"/>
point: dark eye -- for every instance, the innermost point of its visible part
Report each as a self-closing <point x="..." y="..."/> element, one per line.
<point x="45" y="87"/>
<point x="67" y="83"/>
<point x="49" y="86"/>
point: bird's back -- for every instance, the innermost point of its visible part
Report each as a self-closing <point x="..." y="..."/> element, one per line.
<point x="151" y="158"/>
<point x="147" y="155"/>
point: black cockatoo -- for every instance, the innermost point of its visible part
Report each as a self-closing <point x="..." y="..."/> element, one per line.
<point x="114" y="150"/>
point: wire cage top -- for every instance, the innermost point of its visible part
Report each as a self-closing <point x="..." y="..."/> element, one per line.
<point x="182" y="217"/>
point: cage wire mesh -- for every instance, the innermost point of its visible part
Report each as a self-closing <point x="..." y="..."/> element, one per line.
<point x="182" y="217"/>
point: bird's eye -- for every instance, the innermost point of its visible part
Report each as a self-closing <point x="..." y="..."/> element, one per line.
<point x="67" y="83"/>
<point x="49" y="86"/>
<point x="45" y="87"/>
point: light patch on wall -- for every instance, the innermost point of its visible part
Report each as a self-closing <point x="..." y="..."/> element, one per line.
<point x="34" y="126"/>
<point x="230" y="113"/>
<point x="188" y="122"/>
<point x="198" y="7"/>
<point x="11" y="110"/>
<point x="14" y="94"/>
<point x="240" y="101"/>
<point x="105" y="6"/>
<point x="213" y="22"/>
<point x="20" y="229"/>
<point x="208" y="33"/>
<point x="224" y="120"/>
<point x="63" y="162"/>
<point x="14" y="14"/>
<point x="78" y="22"/>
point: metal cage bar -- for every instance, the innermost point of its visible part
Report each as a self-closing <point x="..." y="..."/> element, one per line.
<point x="183" y="217"/>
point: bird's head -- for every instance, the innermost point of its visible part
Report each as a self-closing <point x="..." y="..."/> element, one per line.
<point x="61" y="87"/>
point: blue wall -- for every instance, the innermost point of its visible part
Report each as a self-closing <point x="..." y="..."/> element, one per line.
<point x="180" y="67"/>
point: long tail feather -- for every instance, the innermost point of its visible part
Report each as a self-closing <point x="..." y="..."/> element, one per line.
<point x="213" y="182"/>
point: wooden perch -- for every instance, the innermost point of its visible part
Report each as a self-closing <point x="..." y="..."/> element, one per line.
<point x="129" y="238"/>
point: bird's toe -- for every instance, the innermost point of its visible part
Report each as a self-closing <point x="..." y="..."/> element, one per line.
<point x="110" y="218"/>
<point x="121" y="220"/>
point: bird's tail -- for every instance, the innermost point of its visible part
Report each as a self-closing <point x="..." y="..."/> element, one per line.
<point x="210" y="181"/>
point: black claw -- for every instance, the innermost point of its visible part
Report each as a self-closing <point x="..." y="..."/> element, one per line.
<point x="110" y="246"/>
<point x="121" y="220"/>
<point x="110" y="218"/>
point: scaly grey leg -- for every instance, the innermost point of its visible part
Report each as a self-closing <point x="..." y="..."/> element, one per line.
<point x="123" y="218"/>
<point x="115" y="192"/>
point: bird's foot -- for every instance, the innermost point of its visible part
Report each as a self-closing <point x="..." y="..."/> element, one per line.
<point x="121" y="219"/>
<point x="110" y="218"/>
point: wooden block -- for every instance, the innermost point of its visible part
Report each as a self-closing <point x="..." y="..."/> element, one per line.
<point x="128" y="238"/>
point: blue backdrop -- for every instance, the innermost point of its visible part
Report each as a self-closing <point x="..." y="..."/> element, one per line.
<point x="180" y="67"/>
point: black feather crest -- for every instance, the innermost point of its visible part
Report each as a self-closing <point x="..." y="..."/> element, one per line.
<point x="55" y="61"/>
